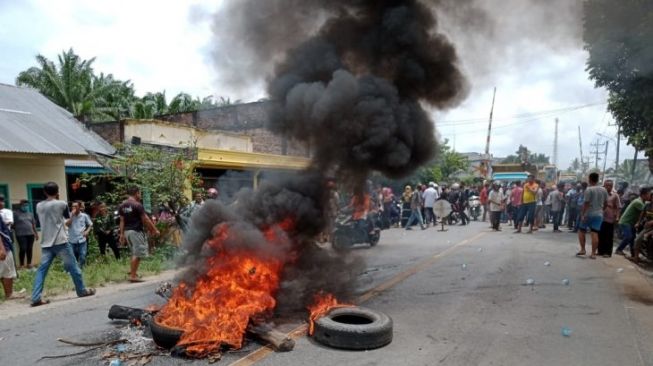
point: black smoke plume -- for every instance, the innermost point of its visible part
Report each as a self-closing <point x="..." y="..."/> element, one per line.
<point x="352" y="80"/>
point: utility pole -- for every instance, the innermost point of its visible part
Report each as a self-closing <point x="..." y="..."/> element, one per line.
<point x="596" y="144"/>
<point x="555" y="146"/>
<point x="580" y="145"/>
<point x="489" y="131"/>
<point x="616" y="164"/>
<point x="634" y="167"/>
<point x="605" y="158"/>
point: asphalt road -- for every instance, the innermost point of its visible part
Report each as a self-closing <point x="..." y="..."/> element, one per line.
<point x="485" y="314"/>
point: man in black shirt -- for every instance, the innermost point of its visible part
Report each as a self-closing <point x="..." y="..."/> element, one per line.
<point x="132" y="221"/>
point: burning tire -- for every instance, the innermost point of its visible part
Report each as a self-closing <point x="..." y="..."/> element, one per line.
<point x="354" y="328"/>
<point x="165" y="337"/>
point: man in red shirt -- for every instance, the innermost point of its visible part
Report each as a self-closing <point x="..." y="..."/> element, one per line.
<point x="515" y="202"/>
<point x="483" y="198"/>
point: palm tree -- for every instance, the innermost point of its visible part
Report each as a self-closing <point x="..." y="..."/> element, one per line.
<point x="184" y="102"/>
<point x="640" y="173"/>
<point x="72" y="85"/>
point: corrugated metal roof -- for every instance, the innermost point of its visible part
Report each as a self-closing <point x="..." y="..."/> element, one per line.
<point x="31" y="123"/>
<point x="82" y="163"/>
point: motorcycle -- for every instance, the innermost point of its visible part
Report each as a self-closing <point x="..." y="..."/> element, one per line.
<point x="474" y="207"/>
<point x="349" y="232"/>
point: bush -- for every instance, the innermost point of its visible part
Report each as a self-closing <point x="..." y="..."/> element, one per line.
<point x="98" y="272"/>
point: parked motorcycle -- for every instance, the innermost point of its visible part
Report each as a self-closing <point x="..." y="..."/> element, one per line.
<point x="474" y="207"/>
<point x="349" y="232"/>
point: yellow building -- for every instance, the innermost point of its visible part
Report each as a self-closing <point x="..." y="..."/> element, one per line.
<point x="229" y="160"/>
<point x="37" y="139"/>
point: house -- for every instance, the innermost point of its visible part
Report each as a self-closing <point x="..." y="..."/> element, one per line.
<point x="476" y="163"/>
<point x="41" y="142"/>
<point x="234" y="148"/>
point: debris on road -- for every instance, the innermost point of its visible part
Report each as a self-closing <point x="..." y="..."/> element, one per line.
<point x="565" y="282"/>
<point x="463" y="266"/>
<point x="619" y="270"/>
<point x="530" y="282"/>
<point x="565" y="331"/>
<point x="547" y="264"/>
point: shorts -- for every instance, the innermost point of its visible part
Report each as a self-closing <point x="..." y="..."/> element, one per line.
<point x="8" y="267"/>
<point x="592" y="223"/>
<point x="137" y="243"/>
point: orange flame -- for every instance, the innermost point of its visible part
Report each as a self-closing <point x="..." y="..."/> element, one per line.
<point x="240" y="284"/>
<point x="322" y="304"/>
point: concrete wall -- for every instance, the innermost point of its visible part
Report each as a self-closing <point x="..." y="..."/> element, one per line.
<point x="165" y="133"/>
<point x="17" y="171"/>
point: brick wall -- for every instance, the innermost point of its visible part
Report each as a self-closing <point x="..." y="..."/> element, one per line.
<point x="110" y="131"/>
<point x="248" y="119"/>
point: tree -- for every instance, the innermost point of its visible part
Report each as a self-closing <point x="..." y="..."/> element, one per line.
<point x="72" y="85"/>
<point x="617" y="35"/>
<point x="525" y="155"/>
<point x="446" y="163"/>
<point x="575" y="165"/>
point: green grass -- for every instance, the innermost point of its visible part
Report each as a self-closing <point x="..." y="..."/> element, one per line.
<point x="98" y="272"/>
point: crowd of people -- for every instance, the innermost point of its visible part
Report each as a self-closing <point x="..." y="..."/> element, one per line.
<point x="583" y="207"/>
<point x="64" y="233"/>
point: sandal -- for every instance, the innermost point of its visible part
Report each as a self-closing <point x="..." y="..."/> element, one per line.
<point x="136" y="280"/>
<point x="39" y="303"/>
<point x="580" y="253"/>
<point x="88" y="292"/>
<point x="592" y="256"/>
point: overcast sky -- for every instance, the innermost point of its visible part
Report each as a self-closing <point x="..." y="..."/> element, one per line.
<point x="168" y="46"/>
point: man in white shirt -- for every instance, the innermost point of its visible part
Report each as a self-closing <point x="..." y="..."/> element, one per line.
<point x="495" y="199"/>
<point x="6" y="214"/>
<point x="430" y="195"/>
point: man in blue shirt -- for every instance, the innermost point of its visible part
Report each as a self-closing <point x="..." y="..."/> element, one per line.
<point x="79" y="225"/>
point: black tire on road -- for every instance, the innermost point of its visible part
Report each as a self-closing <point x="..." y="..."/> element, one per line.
<point x="164" y="336"/>
<point x="354" y="328"/>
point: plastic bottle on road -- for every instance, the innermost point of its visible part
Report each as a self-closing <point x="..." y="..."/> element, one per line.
<point x="565" y="331"/>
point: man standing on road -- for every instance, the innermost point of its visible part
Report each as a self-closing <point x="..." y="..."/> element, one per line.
<point x="52" y="215"/>
<point x="133" y="218"/>
<point x="630" y="218"/>
<point x="495" y="199"/>
<point x="483" y="197"/>
<point x="430" y="196"/>
<point x="556" y="199"/>
<point x="79" y="226"/>
<point x="610" y="216"/>
<point x="415" y="210"/>
<point x="595" y="199"/>
<point x="516" y="201"/>
<point x="572" y="207"/>
<point x="527" y="209"/>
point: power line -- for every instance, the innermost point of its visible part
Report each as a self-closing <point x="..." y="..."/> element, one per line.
<point x="518" y="116"/>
